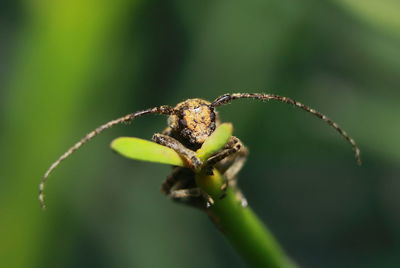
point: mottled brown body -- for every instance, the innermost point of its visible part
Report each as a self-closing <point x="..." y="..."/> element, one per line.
<point x="190" y="123"/>
<point x="193" y="121"/>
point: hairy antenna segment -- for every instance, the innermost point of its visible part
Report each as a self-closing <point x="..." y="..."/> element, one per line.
<point x="227" y="98"/>
<point x="166" y="110"/>
<point x="190" y="123"/>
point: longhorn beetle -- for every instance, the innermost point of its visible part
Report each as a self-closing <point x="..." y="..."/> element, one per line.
<point x="189" y="124"/>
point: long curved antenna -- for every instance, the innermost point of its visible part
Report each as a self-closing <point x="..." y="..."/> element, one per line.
<point x="166" y="110"/>
<point x="227" y="98"/>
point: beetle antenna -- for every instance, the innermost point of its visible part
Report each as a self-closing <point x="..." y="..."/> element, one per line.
<point x="165" y="110"/>
<point x="227" y="98"/>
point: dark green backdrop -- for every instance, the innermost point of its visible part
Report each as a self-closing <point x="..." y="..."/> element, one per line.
<point x="68" y="66"/>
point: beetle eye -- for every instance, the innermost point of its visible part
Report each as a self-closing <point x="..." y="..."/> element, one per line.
<point x="213" y="126"/>
<point x="183" y="122"/>
<point x="212" y="116"/>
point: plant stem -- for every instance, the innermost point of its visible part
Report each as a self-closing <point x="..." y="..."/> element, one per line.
<point x="247" y="234"/>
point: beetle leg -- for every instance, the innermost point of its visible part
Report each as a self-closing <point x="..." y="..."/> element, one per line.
<point x="181" y="187"/>
<point x="230" y="167"/>
<point x="233" y="146"/>
<point x="229" y="161"/>
<point x="178" y="147"/>
<point x="191" y="193"/>
<point x="176" y="179"/>
<point x="236" y="165"/>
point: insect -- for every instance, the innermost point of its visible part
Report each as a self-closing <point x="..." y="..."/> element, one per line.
<point x="189" y="124"/>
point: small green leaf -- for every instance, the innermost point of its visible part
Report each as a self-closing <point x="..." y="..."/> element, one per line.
<point x="144" y="150"/>
<point x="216" y="141"/>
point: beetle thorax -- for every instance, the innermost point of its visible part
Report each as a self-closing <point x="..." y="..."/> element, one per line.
<point x="194" y="120"/>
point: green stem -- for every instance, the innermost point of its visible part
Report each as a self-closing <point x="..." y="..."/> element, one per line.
<point x="247" y="234"/>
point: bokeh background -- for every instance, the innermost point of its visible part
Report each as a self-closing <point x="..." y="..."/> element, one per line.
<point x="68" y="66"/>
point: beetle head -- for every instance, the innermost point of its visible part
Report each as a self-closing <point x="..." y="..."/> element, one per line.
<point x="194" y="120"/>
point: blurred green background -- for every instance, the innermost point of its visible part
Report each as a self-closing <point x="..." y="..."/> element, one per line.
<point x="68" y="66"/>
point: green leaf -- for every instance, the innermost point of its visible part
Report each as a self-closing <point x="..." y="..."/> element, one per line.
<point x="144" y="150"/>
<point x="216" y="141"/>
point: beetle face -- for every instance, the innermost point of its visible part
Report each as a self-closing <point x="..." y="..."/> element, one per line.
<point x="194" y="120"/>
